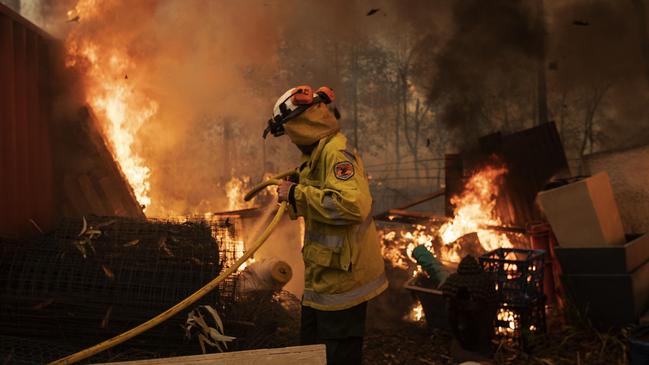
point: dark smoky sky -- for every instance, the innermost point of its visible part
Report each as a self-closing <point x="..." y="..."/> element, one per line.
<point x="490" y="61"/>
<point x="604" y="54"/>
<point x="490" y="46"/>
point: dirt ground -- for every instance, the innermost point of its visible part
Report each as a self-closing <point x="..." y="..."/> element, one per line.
<point x="412" y="343"/>
<point x="409" y="344"/>
<point x="392" y="340"/>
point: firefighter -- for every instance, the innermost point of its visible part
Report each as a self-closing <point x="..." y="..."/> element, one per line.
<point x="342" y="258"/>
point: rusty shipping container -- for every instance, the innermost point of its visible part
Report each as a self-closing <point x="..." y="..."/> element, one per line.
<point x="26" y="182"/>
<point x="49" y="167"/>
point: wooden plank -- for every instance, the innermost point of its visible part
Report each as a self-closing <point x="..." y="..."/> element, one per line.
<point x="108" y="165"/>
<point x="303" y="355"/>
<point x="74" y="198"/>
<point x="110" y="188"/>
<point x="432" y="218"/>
<point x="413" y="214"/>
<point x="91" y="195"/>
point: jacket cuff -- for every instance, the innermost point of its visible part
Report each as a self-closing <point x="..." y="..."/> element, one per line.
<point x="299" y="197"/>
<point x="291" y="195"/>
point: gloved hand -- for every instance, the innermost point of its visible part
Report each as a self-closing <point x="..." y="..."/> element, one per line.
<point x="419" y="252"/>
<point x="283" y="190"/>
<point x="430" y="263"/>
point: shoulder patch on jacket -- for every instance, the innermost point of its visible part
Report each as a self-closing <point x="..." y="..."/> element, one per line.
<point x="343" y="170"/>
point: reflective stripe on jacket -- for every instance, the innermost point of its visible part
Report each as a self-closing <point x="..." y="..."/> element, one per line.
<point x="342" y="256"/>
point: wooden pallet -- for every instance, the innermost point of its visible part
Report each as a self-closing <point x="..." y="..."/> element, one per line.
<point x="303" y="355"/>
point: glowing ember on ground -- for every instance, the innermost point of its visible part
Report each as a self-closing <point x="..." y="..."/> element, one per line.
<point x="120" y="107"/>
<point x="416" y="313"/>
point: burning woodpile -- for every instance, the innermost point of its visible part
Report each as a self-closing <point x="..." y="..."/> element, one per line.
<point x="121" y="107"/>
<point x="471" y="231"/>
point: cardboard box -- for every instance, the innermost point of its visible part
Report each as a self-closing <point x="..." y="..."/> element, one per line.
<point x="583" y="213"/>
<point x="604" y="259"/>
<point x="610" y="300"/>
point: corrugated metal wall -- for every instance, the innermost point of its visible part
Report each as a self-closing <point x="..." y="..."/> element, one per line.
<point x="26" y="181"/>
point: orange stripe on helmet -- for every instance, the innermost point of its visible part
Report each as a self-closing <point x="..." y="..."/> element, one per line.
<point x="302" y="95"/>
<point x="326" y="93"/>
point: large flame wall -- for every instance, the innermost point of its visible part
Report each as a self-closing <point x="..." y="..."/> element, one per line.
<point x="172" y="85"/>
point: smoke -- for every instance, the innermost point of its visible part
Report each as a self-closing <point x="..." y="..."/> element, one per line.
<point x="213" y="69"/>
<point x="595" y="47"/>
<point x="200" y="78"/>
<point x="187" y="79"/>
<point x="484" y="67"/>
<point x="486" y="73"/>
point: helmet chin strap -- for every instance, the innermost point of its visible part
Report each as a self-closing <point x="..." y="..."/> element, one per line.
<point x="276" y="125"/>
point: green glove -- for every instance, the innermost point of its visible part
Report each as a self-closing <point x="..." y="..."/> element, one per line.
<point x="430" y="264"/>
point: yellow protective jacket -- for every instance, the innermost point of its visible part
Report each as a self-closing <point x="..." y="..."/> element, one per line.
<point x="342" y="256"/>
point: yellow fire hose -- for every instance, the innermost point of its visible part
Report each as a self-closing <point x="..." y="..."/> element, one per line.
<point x="83" y="354"/>
<point x="275" y="180"/>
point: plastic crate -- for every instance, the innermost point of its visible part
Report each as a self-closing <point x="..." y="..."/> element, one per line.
<point x="517" y="322"/>
<point x="518" y="274"/>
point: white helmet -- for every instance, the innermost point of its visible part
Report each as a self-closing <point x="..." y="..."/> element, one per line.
<point x="292" y="103"/>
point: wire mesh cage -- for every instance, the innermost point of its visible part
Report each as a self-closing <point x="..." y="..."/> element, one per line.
<point x="96" y="277"/>
<point x="24" y="351"/>
<point x="226" y="231"/>
<point x="264" y="319"/>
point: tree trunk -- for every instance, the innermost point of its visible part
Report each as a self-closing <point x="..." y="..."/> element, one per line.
<point x="541" y="92"/>
<point x="591" y="110"/>
<point x="397" y="129"/>
<point x="641" y="14"/>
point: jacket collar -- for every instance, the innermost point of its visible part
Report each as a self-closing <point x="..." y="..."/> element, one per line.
<point x="315" y="155"/>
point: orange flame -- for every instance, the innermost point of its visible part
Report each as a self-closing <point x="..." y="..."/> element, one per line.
<point x="235" y="190"/>
<point x="474" y="212"/>
<point x="475" y="209"/>
<point x="120" y="107"/>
